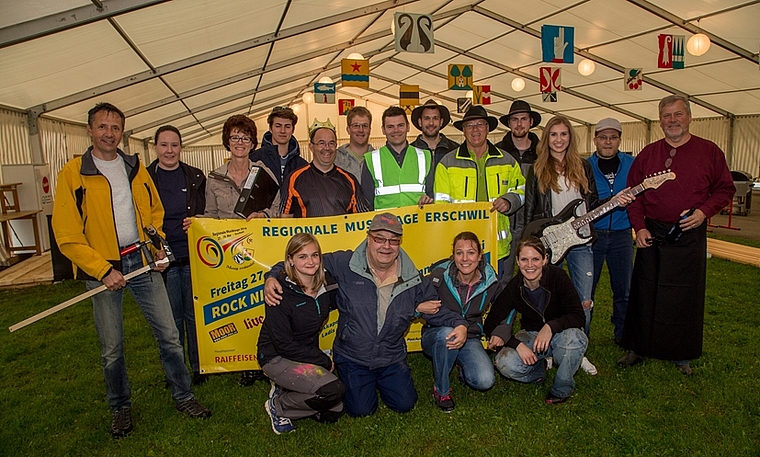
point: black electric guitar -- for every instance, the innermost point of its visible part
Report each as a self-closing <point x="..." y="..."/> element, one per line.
<point x="562" y="232"/>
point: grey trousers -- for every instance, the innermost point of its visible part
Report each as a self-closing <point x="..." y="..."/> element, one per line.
<point x="306" y="389"/>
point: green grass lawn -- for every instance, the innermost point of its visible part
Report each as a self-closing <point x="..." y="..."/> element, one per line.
<point x="52" y="396"/>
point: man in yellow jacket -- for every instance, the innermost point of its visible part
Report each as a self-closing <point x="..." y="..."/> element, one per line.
<point x="103" y="201"/>
<point x="478" y="171"/>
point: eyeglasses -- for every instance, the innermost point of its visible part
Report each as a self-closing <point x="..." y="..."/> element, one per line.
<point x="605" y="138"/>
<point x="475" y="125"/>
<point x="670" y="159"/>
<point x="324" y="144"/>
<point x="244" y="139"/>
<point x="381" y="240"/>
<point x="360" y="126"/>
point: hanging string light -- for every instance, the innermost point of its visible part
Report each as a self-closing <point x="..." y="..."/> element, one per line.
<point x="518" y="84"/>
<point x="698" y="44"/>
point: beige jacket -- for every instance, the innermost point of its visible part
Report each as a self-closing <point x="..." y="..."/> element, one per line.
<point x="222" y="194"/>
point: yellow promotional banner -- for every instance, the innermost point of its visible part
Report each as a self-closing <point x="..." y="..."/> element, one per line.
<point x="229" y="258"/>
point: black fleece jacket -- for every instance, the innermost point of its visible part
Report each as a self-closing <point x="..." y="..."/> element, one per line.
<point x="563" y="307"/>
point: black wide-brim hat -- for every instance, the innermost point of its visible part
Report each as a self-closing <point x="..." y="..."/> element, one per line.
<point x="521" y="106"/>
<point x="417" y="113"/>
<point x="477" y="112"/>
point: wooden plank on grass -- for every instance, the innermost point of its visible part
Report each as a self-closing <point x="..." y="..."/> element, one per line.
<point x="734" y="252"/>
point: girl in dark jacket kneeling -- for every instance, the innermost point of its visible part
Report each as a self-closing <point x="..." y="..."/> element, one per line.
<point x="303" y="383"/>
<point x="551" y="320"/>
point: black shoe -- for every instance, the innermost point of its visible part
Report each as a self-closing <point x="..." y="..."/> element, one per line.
<point x="630" y="359"/>
<point x="247" y="378"/>
<point x="199" y="378"/>
<point x="327" y="417"/>
<point x="555" y="400"/>
<point x="121" y="421"/>
<point x="192" y="408"/>
<point x="445" y="402"/>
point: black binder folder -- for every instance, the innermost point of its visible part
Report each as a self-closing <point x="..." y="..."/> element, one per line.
<point x="257" y="194"/>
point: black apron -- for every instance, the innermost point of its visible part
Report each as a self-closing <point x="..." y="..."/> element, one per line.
<point x="666" y="307"/>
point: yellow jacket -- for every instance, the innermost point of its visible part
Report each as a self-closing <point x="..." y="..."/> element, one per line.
<point x="83" y="217"/>
<point x="456" y="181"/>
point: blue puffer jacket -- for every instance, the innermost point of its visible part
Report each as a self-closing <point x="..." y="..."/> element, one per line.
<point x="357" y="339"/>
<point x="617" y="219"/>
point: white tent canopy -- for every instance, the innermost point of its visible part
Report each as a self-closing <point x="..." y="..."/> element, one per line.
<point x="193" y="63"/>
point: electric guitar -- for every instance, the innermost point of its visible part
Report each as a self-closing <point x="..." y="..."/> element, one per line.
<point x="562" y="232"/>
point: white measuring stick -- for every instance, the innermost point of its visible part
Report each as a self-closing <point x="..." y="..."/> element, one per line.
<point x="79" y="298"/>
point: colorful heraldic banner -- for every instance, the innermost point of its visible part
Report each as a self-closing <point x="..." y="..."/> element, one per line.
<point x="460" y="77"/>
<point x="634" y="79"/>
<point x="671" y="49"/>
<point x="354" y="73"/>
<point x="408" y="97"/>
<point x="229" y="258"/>
<point x="557" y="43"/>
<point x="481" y="95"/>
<point x="324" y="93"/>
<point x="345" y="104"/>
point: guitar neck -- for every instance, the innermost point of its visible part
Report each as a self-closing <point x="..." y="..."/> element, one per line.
<point x="604" y="209"/>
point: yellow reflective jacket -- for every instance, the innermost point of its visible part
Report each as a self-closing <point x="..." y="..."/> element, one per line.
<point x="456" y="181"/>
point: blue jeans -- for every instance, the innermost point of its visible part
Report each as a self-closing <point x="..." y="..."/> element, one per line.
<point x="150" y="294"/>
<point x="580" y="264"/>
<point x="394" y="383"/>
<point x="616" y="248"/>
<point x="477" y="368"/>
<point x="567" y="347"/>
<point x="179" y="288"/>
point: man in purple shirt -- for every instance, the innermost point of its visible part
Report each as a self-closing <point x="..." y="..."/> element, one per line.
<point x="667" y="302"/>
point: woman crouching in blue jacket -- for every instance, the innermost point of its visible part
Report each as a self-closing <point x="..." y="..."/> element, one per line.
<point x="466" y="285"/>
<point x="303" y="383"/>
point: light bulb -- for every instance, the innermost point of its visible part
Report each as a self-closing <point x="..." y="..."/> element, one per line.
<point x="518" y="84"/>
<point x="307" y="97"/>
<point x="586" y="67"/>
<point x="325" y="80"/>
<point x="355" y="56"/>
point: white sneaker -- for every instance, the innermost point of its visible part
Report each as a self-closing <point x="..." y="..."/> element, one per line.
<point x="588" y="367"/>
<point x="549" y="362"/>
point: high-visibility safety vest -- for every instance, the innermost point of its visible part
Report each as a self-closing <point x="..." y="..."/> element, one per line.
<point x="398" y="186"/>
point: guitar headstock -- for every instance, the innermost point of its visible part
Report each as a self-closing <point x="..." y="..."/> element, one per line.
<point x="654" y="181"/>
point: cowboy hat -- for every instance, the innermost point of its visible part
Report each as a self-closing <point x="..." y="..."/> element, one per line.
<point x="477" y="112"/>
<point x="520" y="106"/>
<point x="417" y="113"/>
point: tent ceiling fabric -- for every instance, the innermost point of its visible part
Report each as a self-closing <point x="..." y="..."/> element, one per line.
<point x="195" y="62"/>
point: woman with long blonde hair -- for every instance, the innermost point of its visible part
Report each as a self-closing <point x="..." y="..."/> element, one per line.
<point x="558" y="177"/>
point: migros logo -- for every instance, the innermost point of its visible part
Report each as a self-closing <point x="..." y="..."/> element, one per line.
<point x="211" y="252"/>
